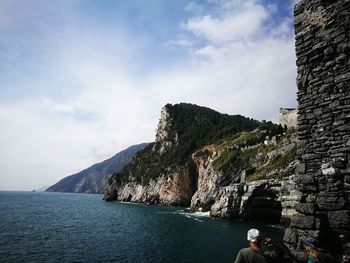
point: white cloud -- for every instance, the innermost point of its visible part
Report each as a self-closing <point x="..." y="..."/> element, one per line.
<point x="238" y="23"/>
<point x="50" y="135"/>
<point x="247" y="79"/>
<point x="246" y="59"/>
<point x="44" y="140"/>
<point x="237" y="63"/>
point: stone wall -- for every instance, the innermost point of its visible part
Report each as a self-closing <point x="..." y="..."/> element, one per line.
<point x="288" y="117"/>
<point x="323" y="175"/>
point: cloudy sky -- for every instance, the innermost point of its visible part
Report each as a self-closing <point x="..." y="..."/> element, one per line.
<point x="81" y="80"/>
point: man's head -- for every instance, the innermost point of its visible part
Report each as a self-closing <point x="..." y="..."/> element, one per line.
<point x="253" y="235"/>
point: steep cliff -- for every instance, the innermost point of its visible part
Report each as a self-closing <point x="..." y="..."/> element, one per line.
<point x="182" y="130"/>
<point x="247" y="177"/>
<point x="200" y="157"/>
<point x="93" y="179"/>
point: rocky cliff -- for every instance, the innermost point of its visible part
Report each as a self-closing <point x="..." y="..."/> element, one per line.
<point x="93" y="179"/>
<point x="228" y="165"/>
<point x="245" y="177"/>
<point x="164" y="171"/>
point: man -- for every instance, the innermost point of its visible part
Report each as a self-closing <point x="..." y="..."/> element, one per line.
<point x="253" y="253"/>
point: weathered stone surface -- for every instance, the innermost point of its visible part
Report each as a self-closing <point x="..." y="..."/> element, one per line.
<point x="228" y="202"/>
<point x="302" y="221"/>
<point x="165" y="137"/>
<point x="331" y="201"/>
<point x="339" y="219"/>
<point x="328" y="51"/>
<point x="328" y="171"/>
<point x="305" y="208"/>
<point x="300" y="169"/>
<point x="208" y="186"/>
<point x="168" y="190"/>
<point x="261" y="200"/>
<point x="306" y="179"/>
<point x="322" y="34"/>
<point x="290" y="236"/>
<point x="347" y="179"/>
<point x="306" y="183"/>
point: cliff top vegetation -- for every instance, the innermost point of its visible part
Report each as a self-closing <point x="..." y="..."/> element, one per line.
<point x="193" y="127"/>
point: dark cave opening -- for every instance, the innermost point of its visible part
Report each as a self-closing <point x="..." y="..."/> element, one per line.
<point x="263" y="206"/>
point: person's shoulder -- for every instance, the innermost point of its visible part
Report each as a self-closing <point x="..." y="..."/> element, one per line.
<point x="246" y="249"/>
<point x="249" y="252"/>
<point x="240" y="256"/>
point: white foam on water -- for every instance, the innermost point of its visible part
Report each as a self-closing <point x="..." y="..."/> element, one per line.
<point x="195" y="215"/>
<point x="194" y="218"/>
<point x="131" y="203"/>
<point x="201" y="214"/>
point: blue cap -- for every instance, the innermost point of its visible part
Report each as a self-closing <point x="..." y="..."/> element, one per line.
<point x="311" y="242"/>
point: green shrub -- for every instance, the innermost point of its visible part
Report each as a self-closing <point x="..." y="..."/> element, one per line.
<point x="279" y="162"/>
<point x="231" y="161"/>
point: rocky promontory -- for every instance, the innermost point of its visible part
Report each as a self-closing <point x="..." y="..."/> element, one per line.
<point x="232" y="166"/>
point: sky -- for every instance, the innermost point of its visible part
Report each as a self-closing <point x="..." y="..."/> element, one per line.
<point x="81" y="80"/>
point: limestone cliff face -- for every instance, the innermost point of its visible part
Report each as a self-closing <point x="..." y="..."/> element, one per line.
<point x="209" y="180"/>
<point x="172" y="189"/>
<point x="166" y="136"/>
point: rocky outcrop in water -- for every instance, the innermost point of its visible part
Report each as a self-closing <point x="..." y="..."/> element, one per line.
<point x="271" y="201"/>
<point x="172" y="189"/>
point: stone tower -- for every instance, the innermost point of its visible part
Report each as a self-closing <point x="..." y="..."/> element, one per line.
<point x="322" y="34"/>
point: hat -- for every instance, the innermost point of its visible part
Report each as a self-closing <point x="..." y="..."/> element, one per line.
<point x="311" y="242"/>
<point x="253" y="235"/>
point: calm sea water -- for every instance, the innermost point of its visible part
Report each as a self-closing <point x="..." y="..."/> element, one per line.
<point x="56" y="227"/>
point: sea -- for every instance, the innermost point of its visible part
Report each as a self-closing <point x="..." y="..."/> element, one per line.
<point x="62" y="227"/>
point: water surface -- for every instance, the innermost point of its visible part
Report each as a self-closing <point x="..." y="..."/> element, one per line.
<point x="57" y="227"/>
